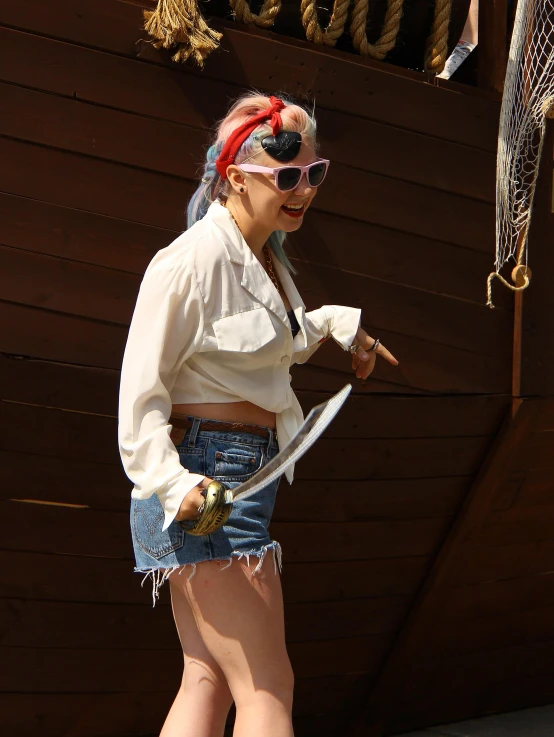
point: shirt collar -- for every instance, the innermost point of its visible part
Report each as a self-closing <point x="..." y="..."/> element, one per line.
<point x="239" y="252"/>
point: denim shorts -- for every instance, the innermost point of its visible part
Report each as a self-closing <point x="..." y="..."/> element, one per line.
<point x="231" y="457"/>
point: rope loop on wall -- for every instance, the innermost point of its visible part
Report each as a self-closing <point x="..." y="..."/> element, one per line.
<point x="391" y="26"/>
<point x="436" y="52"/>
<point x="335" y="28"/>
<point x="265" y="18"/>
<point x="181" y="23"/>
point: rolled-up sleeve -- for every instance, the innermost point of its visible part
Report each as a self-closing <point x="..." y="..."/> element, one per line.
<point x="166" y="328"/>
<point x="330" y="321"/>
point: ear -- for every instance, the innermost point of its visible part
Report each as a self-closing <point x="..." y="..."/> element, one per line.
<point x="236" y="178"/>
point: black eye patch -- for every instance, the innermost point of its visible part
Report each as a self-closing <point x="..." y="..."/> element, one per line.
<point x="285" y="146"/>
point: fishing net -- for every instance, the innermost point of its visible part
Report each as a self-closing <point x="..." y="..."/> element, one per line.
<point x="528" y="97"/>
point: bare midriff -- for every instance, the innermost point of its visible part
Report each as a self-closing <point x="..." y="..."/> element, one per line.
<point x="245" y="412"/>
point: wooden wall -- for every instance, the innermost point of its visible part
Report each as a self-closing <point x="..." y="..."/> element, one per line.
<point x="101" y="138"/>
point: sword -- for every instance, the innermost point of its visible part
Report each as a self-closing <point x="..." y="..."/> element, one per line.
<point x="219" y="499"/>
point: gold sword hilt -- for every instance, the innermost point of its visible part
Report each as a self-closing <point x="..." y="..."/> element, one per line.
<point x="214" y="512"/>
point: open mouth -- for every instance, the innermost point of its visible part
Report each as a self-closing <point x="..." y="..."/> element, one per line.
<point x="294" y="211"/>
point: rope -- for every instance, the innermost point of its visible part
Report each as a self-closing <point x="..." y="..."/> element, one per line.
<point x="180" y="22"/>
<point x="437" y="45"/>
<point x="266" y="17"/>
<point x="334" y="29"/>
<point x="506" y="284"/>
<point x="524" y="273"/>
<point x="391" y="26"/>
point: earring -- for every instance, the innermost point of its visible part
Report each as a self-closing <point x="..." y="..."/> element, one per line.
<point x="242" y="189"/>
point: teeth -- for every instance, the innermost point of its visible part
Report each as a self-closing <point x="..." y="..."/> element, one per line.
<point x="294" y="207"/>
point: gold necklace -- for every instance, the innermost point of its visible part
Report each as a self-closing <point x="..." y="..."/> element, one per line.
<point x="269" y="263"/>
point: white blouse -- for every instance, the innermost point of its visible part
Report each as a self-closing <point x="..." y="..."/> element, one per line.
<point x="209" y="326"/>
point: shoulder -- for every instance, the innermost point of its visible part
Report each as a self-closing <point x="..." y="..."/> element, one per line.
<point x="197" y="253"/>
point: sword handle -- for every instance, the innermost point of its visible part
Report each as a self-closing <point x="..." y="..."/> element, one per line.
<point x="214" y="512"/>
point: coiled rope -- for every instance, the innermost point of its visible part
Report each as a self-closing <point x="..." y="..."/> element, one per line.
<point x="335" y="27"/>
<point x="180" y="23"/>
<point x="265" y="18"/>
<point x="391" y="26"/>
<point x="436" y="52"/>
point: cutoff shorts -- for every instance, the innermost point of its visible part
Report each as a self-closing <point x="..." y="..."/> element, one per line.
<point x="230" y="457"/>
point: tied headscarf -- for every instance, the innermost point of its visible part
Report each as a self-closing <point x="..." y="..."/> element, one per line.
<point x="239" y="136"/>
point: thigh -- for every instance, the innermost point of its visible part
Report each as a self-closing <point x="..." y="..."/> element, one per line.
<point x="240" y="618"/>
<point x="200" y="666"/>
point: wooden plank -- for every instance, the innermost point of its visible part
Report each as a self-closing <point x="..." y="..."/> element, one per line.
<point x="76" y="531"/>
<point x="117" y="136"/>
<point x="28" y="331"/>
<point x="40" y="227"/>
<point x="492" y="563"/>
<point x="87" y="626"/>
<point x="394" y="256"/>
<point x="516" y="525"/>
<point x="53" y="715"/>
<point x="53" y="480"/>
<point x="468" y="119"/>
<point x="538" y="336"/>
<point x="82" y="182"/>
<point x="93" y="579"/>
<point x="424" y="365"/>
<point x="493" y="44"/>
<point x="41" y="670"/>
<point x="386" y="202"/>
<point x="59" y="386"/>
<point x="414" y="417"/>
<point x="484" y="599"/>
<point x="405" y="311"/>
<point x="429" y="603"/>
<point x="473" y="692"/>
<point x="102" y="294"/>
<point x="316" y="501"/>
<point x="132" y="713"/>
<point x="535" y="489"/>
<point x="456" y="639"/>
<point x="71" y="435"/>
<point x="62" y="285"/>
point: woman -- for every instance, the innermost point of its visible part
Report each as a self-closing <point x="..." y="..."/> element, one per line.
<point x="205" y="394"/>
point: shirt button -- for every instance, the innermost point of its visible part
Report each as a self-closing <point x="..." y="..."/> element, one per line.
<point x="285" y="359"/>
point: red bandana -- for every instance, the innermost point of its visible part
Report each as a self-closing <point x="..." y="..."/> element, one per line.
<point x="239" y="136"/>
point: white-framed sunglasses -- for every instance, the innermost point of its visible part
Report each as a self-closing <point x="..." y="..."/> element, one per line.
<point x="288" y="177"/>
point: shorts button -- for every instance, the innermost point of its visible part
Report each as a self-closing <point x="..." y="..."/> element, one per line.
<point x="284" y="359"/>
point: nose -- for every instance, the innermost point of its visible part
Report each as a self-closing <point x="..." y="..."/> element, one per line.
<point x="304" y="188"/>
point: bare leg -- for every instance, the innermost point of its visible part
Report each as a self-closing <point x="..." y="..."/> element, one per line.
<point x="240" y="618"/>
<point x="203" y="701"/>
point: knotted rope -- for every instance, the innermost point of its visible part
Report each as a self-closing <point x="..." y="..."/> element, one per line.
<point x="335" y="27"/>
<point x="266" y="17"/>
<point x="389" y="33"/>
<point x="180" y="22"/>
<point x="436" y="52"/>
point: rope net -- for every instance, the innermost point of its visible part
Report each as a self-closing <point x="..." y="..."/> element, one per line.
<point x="528" y="97"/>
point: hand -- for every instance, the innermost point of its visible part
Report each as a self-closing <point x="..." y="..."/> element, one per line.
<point x="191" y="503"/>
<point x="363" y="362"/>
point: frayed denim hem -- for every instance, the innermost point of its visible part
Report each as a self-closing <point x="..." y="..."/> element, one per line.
<point x="160" y="575"/>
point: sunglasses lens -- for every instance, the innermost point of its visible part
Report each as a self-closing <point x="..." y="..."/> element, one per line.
<point x="316" y="174"/>
<point x="288" y="178"/>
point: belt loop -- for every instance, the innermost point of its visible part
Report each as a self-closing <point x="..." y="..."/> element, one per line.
<point x="193" y="432"/>
<point x="272" y="437"/>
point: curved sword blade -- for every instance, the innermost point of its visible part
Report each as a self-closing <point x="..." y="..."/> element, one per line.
<point x="315" y="423"/>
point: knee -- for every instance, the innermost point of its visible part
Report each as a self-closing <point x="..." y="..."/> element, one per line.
<point x="273" y="684"/>
<point x="207" y="687"/>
